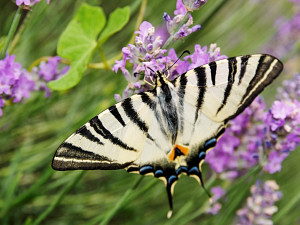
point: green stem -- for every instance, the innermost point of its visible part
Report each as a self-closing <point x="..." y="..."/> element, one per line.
<point x="171" y="38"/>
<point x="11" y="32"/>
<point x="103" y="58"/>
<point x="121" y="202"/>
<point x="292" y="204"/>
<point x="58" y="199"/>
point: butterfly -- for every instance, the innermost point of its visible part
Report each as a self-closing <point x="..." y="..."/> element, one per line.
<point x="168" y="131"/>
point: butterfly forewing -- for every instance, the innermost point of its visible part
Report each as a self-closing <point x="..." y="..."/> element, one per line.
<point x="228" y="86"/>
<point x="108" y="141"/>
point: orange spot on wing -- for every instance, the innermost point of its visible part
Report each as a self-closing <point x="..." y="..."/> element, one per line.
<point x="182" y="149"/>
<point x="172" y="154"/>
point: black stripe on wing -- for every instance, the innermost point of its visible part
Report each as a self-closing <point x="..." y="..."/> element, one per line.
<point x="232" y="68"/>
<point x="70" y="151"/>
<point x="213" y="71"/>
<point x="115" y="112"/>
<point x="201" y="83"/>
<point x="244" y="62"/>
<point x="100" y="129"/>
<point x="260" y="80"/>
<point x="83" y="131"/>
<point x="181" y="93"/>
<point x="152" y="105"/>
<point x="134" y="116"/>
<point x="71" y="157"/>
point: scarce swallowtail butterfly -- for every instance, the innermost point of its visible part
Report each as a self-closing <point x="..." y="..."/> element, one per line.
<point x="169" y="130"/>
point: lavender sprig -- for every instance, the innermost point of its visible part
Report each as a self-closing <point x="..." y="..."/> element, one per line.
<point x="260" y="206"/>
<point x="16" y="83"/>
<point x="214" y="206"/>
<point x="148" y="54"/>
<point x="28" y="2"/>
<point x="258" y="136"/>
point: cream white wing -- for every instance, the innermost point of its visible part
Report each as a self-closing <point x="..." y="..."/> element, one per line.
<point x="115" y="138"/>
<point x="224" y="88"/>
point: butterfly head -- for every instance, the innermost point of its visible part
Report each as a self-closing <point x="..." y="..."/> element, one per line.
<point x="161" y="79"/>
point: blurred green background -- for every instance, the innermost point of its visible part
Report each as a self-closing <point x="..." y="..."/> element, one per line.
<point x="32" y="193"/>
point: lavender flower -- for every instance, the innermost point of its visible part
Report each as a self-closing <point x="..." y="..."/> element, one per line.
<point x="46" y="72"/>
<point x="240" y="147"/>
<point x="260" y="206"/>
<point x="28" y="2"/>
<point x="201" y="56"/>
<point x="287" y="35"/>
<point x="260" y="137"/>
<point x="295" y="2"/>
<point x="15" y="82"/>
<point x="282" y="133"/>
<point x="147" y="55"/>
<point x="143" y="55"/>
<point x="215" y="206"/>
<point x="192" y="5"/>
<point x="290" y="89"/>
<point x="176" y="30"/>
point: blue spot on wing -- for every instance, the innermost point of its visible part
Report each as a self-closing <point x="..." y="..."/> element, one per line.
<point x="159" y="173"/>
<point x="210" y="143"/>
<point x="181" y="169"/>
<point x="194" y="170"/>
<point x="172" y="179"/>
<point x="202" y="155"/>
<point x="146" y="169"/>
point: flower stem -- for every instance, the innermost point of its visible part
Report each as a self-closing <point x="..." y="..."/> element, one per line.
<point x="121" y="202"/>
<point x="11" y="32"/>
<point x="103" y="58"/>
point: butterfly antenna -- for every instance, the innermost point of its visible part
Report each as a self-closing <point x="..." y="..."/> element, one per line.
<point x="184" y="52"/>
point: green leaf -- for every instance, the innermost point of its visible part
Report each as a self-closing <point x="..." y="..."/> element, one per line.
<point x="117" y="20"/>
<point x="2" y="41"/>
<point x="77" y="43"/>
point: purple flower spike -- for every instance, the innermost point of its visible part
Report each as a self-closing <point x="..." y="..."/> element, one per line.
<point x="260" y="206"/>
<point x="173" y="24"/>
<point x="184" y="30"/>
<point x="240" y="147"/>
<point x="15" y="82"/>
<point x="287" y="35"/>
<point x="290" y="89"/>
<point x="193" y="5"/>
<point x="23" y="86"/>
<point x="214" y="206"/>
<point x="180" y="8"/>
<point x="282" y="130"/>
<point x="28" y="2"/>
<point x="47" y="71"/>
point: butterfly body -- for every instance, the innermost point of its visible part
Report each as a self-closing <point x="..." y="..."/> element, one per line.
<point x="169" y="130"/>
